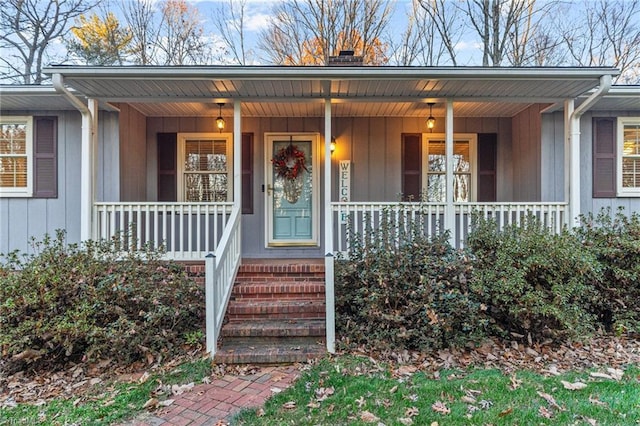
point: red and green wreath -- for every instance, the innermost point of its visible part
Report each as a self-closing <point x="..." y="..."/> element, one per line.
<point x="289" y="162"/>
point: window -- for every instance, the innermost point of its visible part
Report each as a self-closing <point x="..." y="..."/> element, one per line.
<point x="204" y="167"/>
<point x="16" y="157"/>
<point x="628" y="156"/>
<point x="434" y="163"/>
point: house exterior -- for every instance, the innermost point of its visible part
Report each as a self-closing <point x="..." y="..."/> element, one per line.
<point x="138" y="150"/>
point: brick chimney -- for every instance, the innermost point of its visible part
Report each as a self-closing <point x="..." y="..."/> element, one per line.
<point x="346" y="58"/>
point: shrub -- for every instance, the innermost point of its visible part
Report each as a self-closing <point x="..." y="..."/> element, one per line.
<point x="614" y="240"/>
<point x="399" y="290"/>
<point x="87" y="302"/>
<point x="534" y="282"/>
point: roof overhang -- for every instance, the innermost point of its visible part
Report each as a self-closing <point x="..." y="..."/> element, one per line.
<point x="301" y="91"/>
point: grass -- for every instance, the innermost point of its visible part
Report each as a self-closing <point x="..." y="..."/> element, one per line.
<point x="364" y="391"/>
<point x="107" y="405"/>
<point x="345" y="390"/>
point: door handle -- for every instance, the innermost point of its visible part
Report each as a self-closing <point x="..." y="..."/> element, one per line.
<point x="269" y="189"/>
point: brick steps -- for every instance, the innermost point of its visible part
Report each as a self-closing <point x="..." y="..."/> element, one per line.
<point x="276" y="313"/>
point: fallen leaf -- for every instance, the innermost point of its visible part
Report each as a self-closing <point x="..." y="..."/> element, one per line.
<point x="615" y="373"/>
<point x="289" y="405"/>
<point x="393" y="389"/>
<point x="145" y="376"/>
<point x="406" y="370"/>
<point x="440" y="407"/>
<point x="595" y="401"/>
<point x="324" y="393"/>
<point x="166" y="402"/>
<point x="260" y="412"/>
<point x="545" y="412"/>
<point x="412" y="412"/>
<point x="276" y="390"/>
<point x="573" y="386"/>
<point x="468" y="399"/>
<point x="368" y="417"/>
<point x="313" y="404"/>
<point x="591" y="422"/>
<point x="361" y="402"/>
<point x="550" y="399"/>
<point x="600" y="375"/>
<point x="151" y="403"/>
<point x="505" y="412"/>
<point x="485" y="405"/>
<point x="515" y="382"/>
<point x="407" y="421"/>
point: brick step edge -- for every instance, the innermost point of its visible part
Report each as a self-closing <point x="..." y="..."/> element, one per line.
<point x="268" y="354"/>
<point x="274" y="328"/>
<point x="275" y="307"/>
<point x="296" y="287"/>
<point x="298" y="268"/>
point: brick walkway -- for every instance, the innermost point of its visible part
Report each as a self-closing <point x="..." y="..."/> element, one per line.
<point x="215" y="403"/>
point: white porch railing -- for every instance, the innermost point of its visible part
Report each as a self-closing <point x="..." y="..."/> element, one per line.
<point x="358" y="217"/>
<point x="187" y="231"/>
<point x="220" y="273"/>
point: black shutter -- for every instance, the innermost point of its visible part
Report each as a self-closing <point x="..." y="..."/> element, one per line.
<point x="247" y="173"/>
<point x="411" y="166"/>
<point x="604" y="158"/>
<point x="487" y="160"/>
<point x="167" y="144"/>
<point x="45" y="157"/>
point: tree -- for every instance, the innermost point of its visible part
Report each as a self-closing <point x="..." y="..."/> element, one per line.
<point x="166" y="33"/>
<point x="229" y="20"/>
<point x="445" y="20"/>
<point x="27" y="28"/>
<point x="304" y="32"/>
<point x="605" y="33"/>
<point x="99" y="41"/>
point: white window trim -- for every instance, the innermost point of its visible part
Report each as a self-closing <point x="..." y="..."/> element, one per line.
<point x="28" y="191"/>
<point x="472" y="138"/>
<point x="621" y="191"/>
<point x="182" y="138"/>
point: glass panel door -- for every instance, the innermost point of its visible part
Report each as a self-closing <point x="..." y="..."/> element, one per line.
<point x="292" y="216"/>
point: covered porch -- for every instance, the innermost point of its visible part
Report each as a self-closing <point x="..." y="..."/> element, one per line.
<point x="377" y="117"/>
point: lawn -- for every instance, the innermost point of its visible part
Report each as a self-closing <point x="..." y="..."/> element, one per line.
<point x="354" y="390"/>
<point x="350" y="389"/>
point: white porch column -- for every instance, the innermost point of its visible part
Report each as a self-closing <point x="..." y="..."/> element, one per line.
<point x="330" y="306"/>
<point x="237" y="153"/>
<point x="87" y="173"/>
<point x="449" y="212"/>
<point x="570" y="163"/>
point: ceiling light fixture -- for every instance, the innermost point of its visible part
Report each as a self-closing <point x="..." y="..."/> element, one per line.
<point x="220" y="120"/>
<point x="431" y="121"/>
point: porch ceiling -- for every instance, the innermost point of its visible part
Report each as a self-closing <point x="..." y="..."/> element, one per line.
<point x="354" y="91"/>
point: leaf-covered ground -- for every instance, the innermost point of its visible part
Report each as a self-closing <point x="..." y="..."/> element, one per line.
<point x="38" y="387"/>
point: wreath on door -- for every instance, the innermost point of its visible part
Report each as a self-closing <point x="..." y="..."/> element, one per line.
<point x="289" y="162"/>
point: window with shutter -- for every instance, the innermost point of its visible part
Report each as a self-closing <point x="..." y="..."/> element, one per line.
<point x="16" y="156"/>
<point x="435" y="168"/>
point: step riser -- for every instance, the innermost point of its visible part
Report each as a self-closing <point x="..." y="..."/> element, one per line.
<point x="300" y="315"/>
<point x="283" y="333"/>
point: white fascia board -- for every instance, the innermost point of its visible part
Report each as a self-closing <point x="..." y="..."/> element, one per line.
<point x="331" y="73"/>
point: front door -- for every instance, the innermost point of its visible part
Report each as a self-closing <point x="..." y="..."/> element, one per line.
<point x="292" y="213"/>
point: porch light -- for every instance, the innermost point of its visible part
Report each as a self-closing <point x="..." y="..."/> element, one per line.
<point x="431" y="121"/>
<point x="332" y="146"/>
<point x="220" y="120"/>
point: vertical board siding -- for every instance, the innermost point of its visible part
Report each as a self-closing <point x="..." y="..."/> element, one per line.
<point x="526" y="154"/>
<point x="133" y="155"/>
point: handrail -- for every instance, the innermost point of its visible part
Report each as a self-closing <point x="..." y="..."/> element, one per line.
<point x="220" y="272"/>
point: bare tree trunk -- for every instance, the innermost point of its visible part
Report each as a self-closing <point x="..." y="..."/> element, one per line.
<point x="446" y="19"/>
